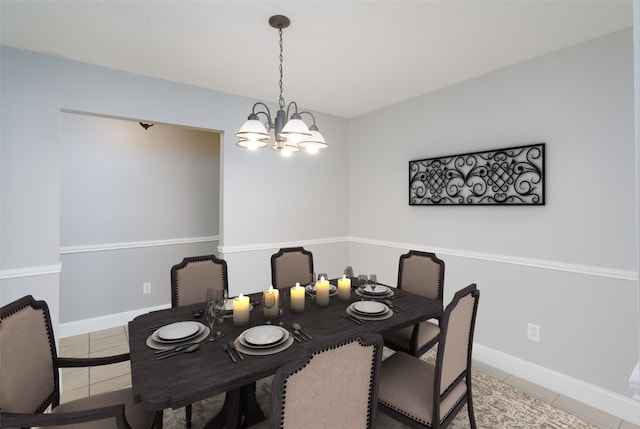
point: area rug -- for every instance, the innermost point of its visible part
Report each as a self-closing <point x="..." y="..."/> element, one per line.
<point x="497" y="406"/>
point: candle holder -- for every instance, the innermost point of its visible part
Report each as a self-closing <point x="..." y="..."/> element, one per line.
<point x="270" y="309"/>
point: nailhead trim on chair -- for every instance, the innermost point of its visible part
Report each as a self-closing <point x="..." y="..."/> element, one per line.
<point x="418" y="419"/>
<point x="34" y="305"/>
<point x="335" y="346"/>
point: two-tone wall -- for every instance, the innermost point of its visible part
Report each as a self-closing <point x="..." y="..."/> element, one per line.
<point x="569" y="266"/>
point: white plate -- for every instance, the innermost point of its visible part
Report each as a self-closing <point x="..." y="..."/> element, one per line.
<point x="380" y="290"/>
<point x="229" y="306"/>
<point x="285" y="337"/>
<point x="369" y="308"/>
<point x="176" y="332"/>
<point x="312" y="288"/>
<point x="263" y="335"/>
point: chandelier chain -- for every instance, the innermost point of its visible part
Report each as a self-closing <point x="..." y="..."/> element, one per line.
<point x="281" y="99"/>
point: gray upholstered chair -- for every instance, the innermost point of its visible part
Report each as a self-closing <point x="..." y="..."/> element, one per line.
<point x="335" y="387"/>
<point x="291" y="265"/>
<point x="190" y="280"/>
<point x="422" y="395"/>
<point x="29" y="374"/>
<point x="421" y="273"/>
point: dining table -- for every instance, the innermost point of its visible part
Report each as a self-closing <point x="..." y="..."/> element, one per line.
<point x="186" y="378"/>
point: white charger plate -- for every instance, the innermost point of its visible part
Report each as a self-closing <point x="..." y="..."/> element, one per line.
<point x="380" y="290"/>
<point x="312" y="288"/>
<point x="264" y="336"/>
<point x="177" y="332"/>
<point x="369" y="308"/>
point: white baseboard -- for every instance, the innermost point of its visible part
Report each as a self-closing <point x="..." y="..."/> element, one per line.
<point x="103" y="322"/>
<point x="612" y="403"/>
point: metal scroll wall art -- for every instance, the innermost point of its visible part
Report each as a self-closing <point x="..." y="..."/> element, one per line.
<point x="510" y="176"/>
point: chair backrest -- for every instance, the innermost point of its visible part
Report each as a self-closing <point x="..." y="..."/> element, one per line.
<point x="291" y="265"/>
<point x="421" y="273"/>
<point x="453" y="359"/>
<point x="191" y="278"/>
<point x="335" y="387"/>
<point x="28" y="376"/>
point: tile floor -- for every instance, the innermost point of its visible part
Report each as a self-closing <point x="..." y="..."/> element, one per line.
<point x="79" y="382"/>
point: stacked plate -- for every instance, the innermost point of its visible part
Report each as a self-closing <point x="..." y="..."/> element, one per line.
<point x="263" y="337"/>
<point x="369" y="309"/>
<point x="229" y="308"/>
<point x="333" y="289"/>
<point x="380" y="291"/>
<point x="178" y="332"/>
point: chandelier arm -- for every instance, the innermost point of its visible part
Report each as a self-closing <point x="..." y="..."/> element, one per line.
<point x="310" y="114"/>
<point x="266" y="113"/>
<point x="289" y="107"/>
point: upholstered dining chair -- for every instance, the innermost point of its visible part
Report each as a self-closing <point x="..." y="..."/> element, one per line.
<point x="422" y="395"/>
<point x="334" y="387"/>
<point x="421" y="273"/>
<point x="190" y="280"/>
<point x="29" y="374"/>
<point x="291" y="265"/>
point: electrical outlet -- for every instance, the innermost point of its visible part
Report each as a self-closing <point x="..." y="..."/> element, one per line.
<point x="533" y="332"/>
<point x="146" y="288"/>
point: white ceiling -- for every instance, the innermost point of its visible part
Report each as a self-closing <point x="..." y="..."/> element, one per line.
<point x="345" y="58"/>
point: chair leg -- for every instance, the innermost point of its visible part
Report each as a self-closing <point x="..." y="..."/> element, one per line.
<point x="472" y="418"/>
<point x="187" y="412"/>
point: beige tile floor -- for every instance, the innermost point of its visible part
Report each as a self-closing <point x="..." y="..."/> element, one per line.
<point x="80" y="382"/>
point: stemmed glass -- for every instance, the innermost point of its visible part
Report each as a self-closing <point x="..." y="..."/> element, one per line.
<point x="220" y="308"/>
<point x="373" y="281"/>
<point x="282" y="300"/>
<point x="348" y="271"/>
<point x="210" y="312"/>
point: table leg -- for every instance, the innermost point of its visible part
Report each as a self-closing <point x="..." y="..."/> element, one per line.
<point x="238" y="404"/>
<point x="250" y="407"/>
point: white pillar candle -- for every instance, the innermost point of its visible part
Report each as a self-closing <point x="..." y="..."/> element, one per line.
<point x="344" y="289"/>
<point x="322" y="292"/>
<point x="241" y="307"/>
<point x="297" y="298"/>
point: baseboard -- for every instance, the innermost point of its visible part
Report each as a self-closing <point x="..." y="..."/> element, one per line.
<point x="103" y="322"/>
<point x="612" y="403"/>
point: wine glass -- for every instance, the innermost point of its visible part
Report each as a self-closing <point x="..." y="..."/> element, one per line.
<point x="348" y="271"/>
<point x="220" y="308"/>
<point x="362" y="280"/>
<point x="282" y="301"/>
<point x="268" y="302"/>
<point x="210" y="312"/>
<point x="373" y="281"/>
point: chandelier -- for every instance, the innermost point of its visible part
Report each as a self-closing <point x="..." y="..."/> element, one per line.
<point x="290" y="132"/>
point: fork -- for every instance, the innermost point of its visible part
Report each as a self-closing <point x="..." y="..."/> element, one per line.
<point x="235" y="349"/>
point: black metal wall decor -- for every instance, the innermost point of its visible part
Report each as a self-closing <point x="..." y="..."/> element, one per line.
<point x="510" y="176"/>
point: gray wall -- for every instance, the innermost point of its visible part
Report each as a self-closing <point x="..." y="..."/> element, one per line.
<point x="569" y="266"/>
<point x="132" y="202"/>
<point x="267" y="200"/>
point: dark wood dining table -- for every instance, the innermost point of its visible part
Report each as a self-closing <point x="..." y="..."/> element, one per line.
<point x="190" y="377"/>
